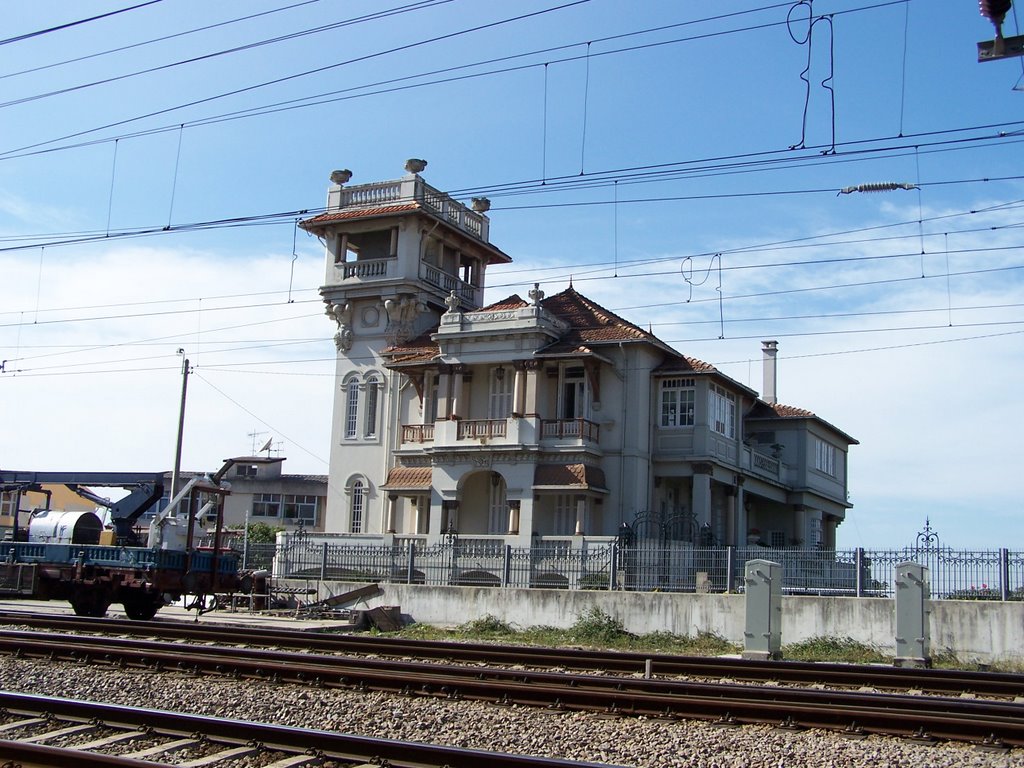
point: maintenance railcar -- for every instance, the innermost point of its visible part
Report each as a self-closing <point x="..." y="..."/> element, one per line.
<point x="74" y="556"/>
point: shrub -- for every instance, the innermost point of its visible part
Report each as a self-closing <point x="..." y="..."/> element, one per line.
<point x="596" y="626"/>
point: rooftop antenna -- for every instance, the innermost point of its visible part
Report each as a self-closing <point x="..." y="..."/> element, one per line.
<point x="253" y="437"/>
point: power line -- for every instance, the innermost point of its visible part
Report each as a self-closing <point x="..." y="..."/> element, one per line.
<point x="297" y="75"/>
<point x="68" y="25"/>
<point x="306" y="101"/>
<point x="153" y="40"/>
<point x="226" y="51"/>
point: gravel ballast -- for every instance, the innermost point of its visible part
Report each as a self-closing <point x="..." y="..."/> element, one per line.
<point x="577" y="736"/>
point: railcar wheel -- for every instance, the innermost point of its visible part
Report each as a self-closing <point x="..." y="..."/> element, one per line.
<point x="142" y="608"/>
<point x="91" y="604"/>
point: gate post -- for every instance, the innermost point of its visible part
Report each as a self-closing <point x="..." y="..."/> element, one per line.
<point x="613" y="567"/>
<point x="762" y="636"/>
<point x="506" y="566"/>
<point x="323" y="564"/>
<point x="411" y="567"/>
<point x="912" y="614"/>
<point x="1004" y="574"/>
<point x="730" y="565"/>
<point x="859" y="567"/>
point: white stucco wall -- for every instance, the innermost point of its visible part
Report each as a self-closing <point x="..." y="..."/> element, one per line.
<point x="974" y="630"/>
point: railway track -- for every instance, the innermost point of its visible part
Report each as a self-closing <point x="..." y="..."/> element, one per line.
<point x="929" y="681"/>
<point x="46" y="732"/>
<point x="989" y="723"/>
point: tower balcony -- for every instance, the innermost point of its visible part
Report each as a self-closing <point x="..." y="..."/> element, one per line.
<point x="411" y="189"/>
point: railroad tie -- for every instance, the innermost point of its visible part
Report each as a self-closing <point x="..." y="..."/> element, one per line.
<point x="115" y="739"/>
<point x="166" y="748"/>
<point x="68" y="731"/>
<point x="227" y="754"/>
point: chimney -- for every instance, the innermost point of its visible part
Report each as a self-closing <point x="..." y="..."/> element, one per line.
<point x="770" y="350"/>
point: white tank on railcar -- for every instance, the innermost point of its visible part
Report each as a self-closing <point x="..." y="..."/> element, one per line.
<point x="54" y="526"/>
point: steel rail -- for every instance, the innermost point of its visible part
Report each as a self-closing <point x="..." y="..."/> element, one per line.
<point x="976" y="720"/>
<point x="290" y="740"/>
<point x="944" y="681"/>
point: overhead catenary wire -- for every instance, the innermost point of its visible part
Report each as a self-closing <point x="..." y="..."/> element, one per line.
<point x="76" y="23"/>
<point x="256" y="111"/>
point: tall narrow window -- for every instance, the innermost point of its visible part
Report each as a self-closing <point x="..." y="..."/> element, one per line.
<point x="500" y="405"/>
<point x="722" y="405"/>
<point x="573" y="397"/>
<point x="565" y="515"/>
<point x="351" y="409"/>
<point x="498" y="519"/>
<point x="358" y="502"/>
<point x="824" y="457"/>
<point x="430" y="394"/>
<point x="372" y="389"/>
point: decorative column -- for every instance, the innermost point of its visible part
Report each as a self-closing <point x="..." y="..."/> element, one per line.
<point x="418" y="505"/>
<point x="531" y="367"/>
<point x="513" y="517"/>
<point x="517" y="388"/>
<point x="458" y="380"/>
<point x="701" y="496"/>
<point x="444" y="389"/>
<point x="739" y="517"/>
<point x="392" y="508"/>
<point x="581" y="512"/>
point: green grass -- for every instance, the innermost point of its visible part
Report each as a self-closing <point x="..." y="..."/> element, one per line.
<point x="834" y="649"/>
<point x="593" y="629"/>
<point x="596" y="629"/>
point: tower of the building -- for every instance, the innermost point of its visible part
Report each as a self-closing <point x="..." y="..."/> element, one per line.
<point x="398" y="255"/>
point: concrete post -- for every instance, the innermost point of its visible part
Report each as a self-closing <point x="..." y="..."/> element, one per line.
<point x="913" y="642"/>
<point x="762" y="637"/>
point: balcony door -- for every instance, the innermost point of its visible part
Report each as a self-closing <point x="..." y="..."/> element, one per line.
<point x="574" y="394"/>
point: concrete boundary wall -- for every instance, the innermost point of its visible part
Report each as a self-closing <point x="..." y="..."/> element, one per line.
<point x="974" y="630"/>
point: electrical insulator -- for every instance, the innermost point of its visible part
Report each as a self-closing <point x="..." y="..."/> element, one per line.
<point x="879" y="186"/>
<point x="994" y="10"/>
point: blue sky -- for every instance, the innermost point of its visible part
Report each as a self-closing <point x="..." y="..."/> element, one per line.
<point x="623" y="145"/>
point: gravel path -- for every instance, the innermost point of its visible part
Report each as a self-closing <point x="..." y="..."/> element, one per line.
<point x="629" y="742"/>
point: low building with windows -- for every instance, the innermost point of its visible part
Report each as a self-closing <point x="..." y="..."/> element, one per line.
<point x="548" y="416"/>
<point x="262" y="493"/>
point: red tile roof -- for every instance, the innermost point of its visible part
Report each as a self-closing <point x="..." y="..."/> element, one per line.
<point x="684" y="364"/>
<point x="577" y="476"/>
<point x="418" y="350"/>
<point x="358" y="213"/>
<point x="590" y="322"/>
<point x="791" y="411"/>
<point x="409" y="478"/>
<point x="512" y="302"/>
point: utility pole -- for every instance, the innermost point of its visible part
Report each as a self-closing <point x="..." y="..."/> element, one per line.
<point x="181" y="425"/>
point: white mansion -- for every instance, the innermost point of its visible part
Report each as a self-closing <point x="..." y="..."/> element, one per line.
<point x="543" y="416"/>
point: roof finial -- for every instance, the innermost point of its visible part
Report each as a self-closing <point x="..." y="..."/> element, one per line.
<point x="536" y="294"/>
<point x="570" y="281"/>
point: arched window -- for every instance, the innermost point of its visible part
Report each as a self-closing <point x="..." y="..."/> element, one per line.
<point x="357" y="504"/>
<point x="372" y="390"/>
<point x="351" y="409"/>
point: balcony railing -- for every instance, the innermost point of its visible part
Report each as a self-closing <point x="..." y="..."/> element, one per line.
<point x="417" y="433"/>
<point x="411" y="188"/>
<point x="366" y="270"/>
<point x="579" y="429"/>
<point x="482" y="428"/>
<point x="765" y="463"/>
<point x="448" y="283"/>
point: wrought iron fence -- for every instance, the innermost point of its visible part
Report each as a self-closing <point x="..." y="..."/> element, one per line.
<point x="638" y="565"/>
